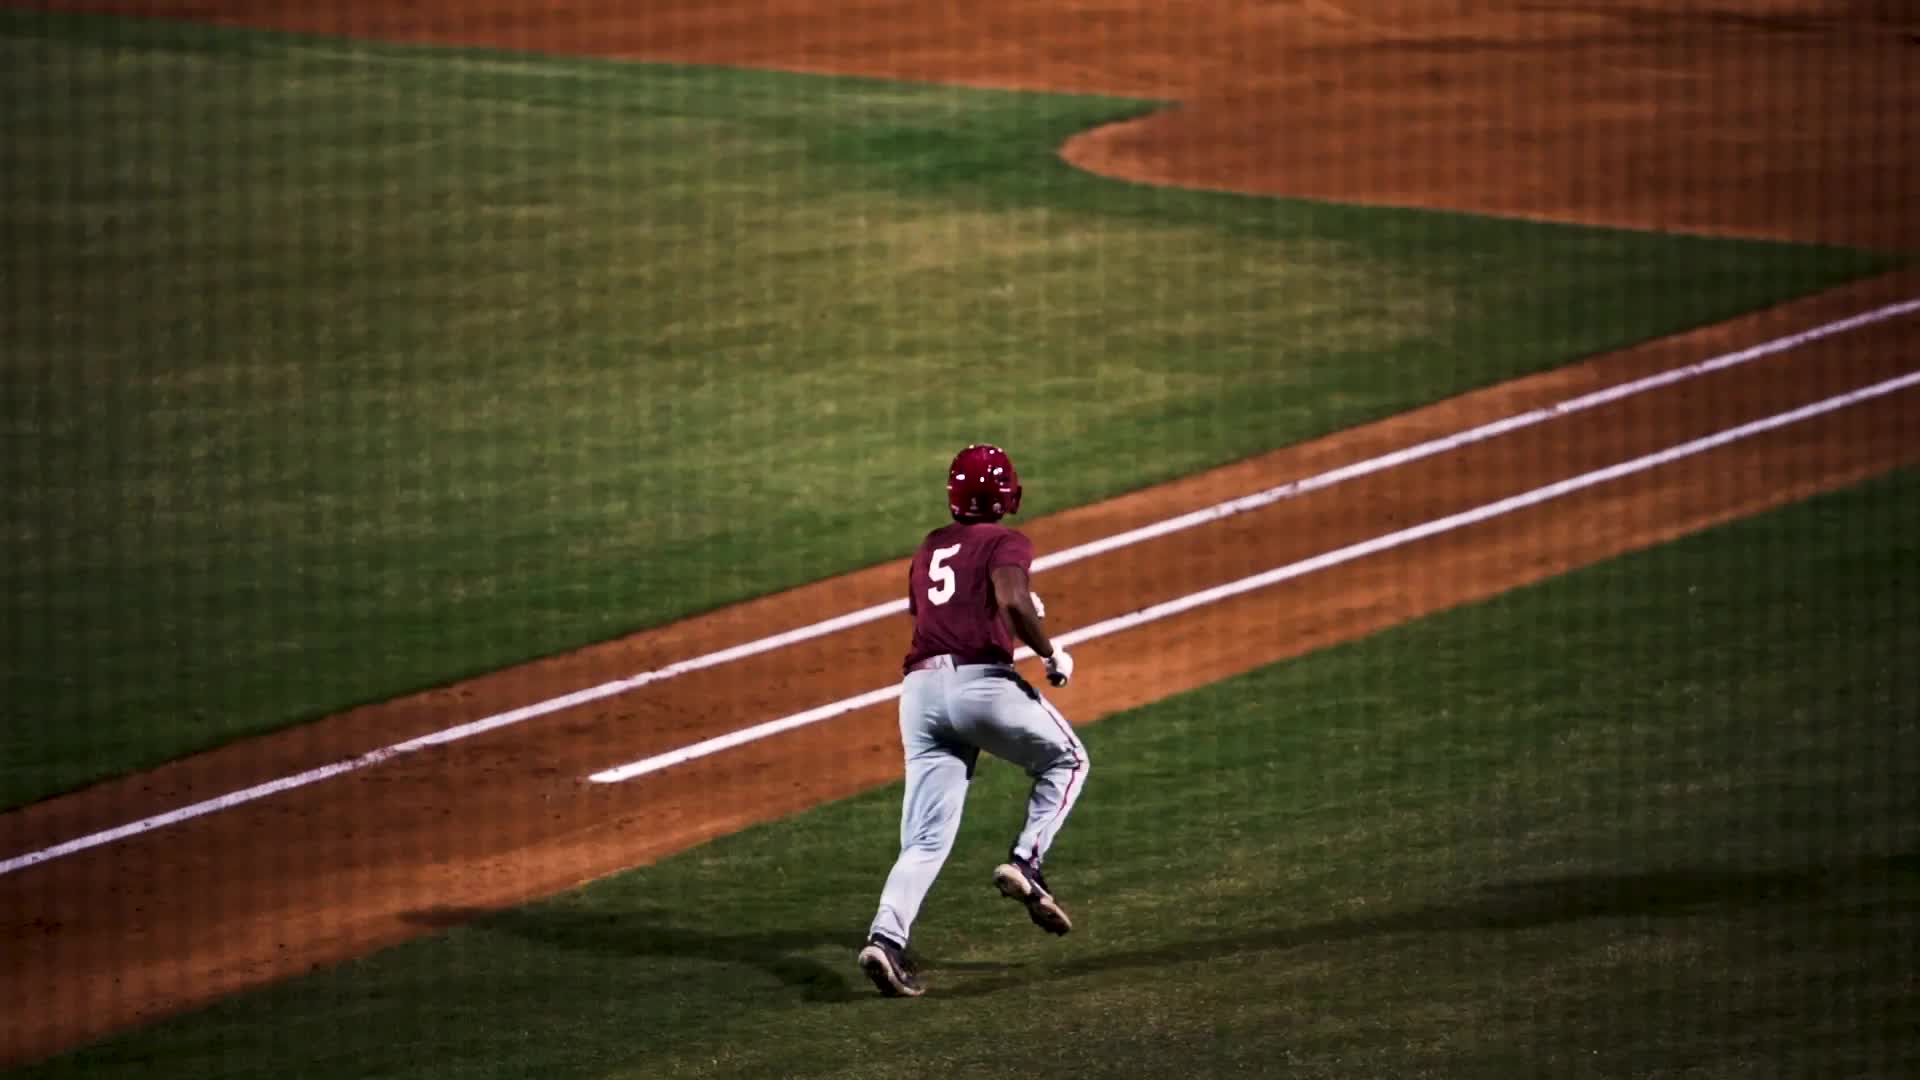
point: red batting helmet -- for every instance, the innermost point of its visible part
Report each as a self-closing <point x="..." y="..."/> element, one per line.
<point x="982" y="485"/>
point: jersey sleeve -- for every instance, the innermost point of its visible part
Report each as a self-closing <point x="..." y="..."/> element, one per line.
<point x="912" y="607"/>
<point x="1014" y="549"/>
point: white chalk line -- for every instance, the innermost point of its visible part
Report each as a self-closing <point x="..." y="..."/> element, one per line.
<point x="838" y="623"/>
<point x="1327" y="560"/>
<point x="1473" y="435"/>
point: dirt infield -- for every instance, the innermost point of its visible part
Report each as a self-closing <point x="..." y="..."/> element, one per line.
<point x="1777" y="118"/>
<point x="1608" y="113"/>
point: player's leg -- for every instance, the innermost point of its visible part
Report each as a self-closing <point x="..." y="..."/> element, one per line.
<point x="937" y="778"/>
<point x="1005" y="716"/>
<point x="938" y="772"/>
<point x="1059" y="776"/>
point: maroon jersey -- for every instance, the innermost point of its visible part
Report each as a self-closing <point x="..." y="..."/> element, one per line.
<point x="950" y="592"/>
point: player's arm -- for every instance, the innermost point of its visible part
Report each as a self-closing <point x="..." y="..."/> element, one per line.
<point x="1015" y="599"/>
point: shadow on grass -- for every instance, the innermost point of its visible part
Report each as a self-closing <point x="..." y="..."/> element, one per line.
<point x="1520" y="905"/>
<point x="645" y="932"/>
<point x="1678" y="893"/>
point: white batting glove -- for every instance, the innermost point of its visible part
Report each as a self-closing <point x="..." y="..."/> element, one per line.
<point x="1039" y="608"/>
<point x="1059" y="666"/>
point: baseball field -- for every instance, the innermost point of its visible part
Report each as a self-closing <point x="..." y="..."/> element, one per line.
<point x="460" y="460"/>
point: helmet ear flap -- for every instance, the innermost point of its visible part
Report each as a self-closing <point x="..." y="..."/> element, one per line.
<point x="1013" y="504"/>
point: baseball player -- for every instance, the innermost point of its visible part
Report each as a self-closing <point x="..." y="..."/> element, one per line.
<point x="961" y="695"/>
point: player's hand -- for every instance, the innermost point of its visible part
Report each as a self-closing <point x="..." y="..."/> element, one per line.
<point x="1059" y="666"/>
<point x="1039" y="608"/>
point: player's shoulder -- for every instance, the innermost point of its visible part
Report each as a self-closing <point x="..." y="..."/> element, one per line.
<point x="1008" y="532"/>
<point x="1005" y="545"/>
<point x="936" y="538"/>
<point x="992" y="532"/>
<point x="978" y="532"/>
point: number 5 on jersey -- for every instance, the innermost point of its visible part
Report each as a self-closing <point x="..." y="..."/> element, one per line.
<point x="943" y="584"/>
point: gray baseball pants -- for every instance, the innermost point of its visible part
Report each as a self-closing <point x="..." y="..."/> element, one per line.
<point x="947" y="716"/>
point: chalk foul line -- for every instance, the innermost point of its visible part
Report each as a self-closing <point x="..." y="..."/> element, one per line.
<point x="1327" y="560"/>
<point x="824" y="627"/>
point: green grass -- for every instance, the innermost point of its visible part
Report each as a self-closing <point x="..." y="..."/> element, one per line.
<point x="1659" y="817"/>
<point x="331" y="371"/>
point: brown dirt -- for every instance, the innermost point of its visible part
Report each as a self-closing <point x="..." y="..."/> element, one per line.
<point x="1737" y="123"/>
<point x="1775" y="118"/>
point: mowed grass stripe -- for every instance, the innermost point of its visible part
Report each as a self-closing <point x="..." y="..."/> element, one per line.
<point x="326" y="380"/>
<point x="1658" y="815"/>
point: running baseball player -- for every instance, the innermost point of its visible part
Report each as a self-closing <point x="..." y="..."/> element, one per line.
<point x="961" y="695"/>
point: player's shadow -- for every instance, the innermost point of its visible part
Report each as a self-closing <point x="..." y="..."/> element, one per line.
<point x="643" y="932"/>
<point x="646" y="932"/>
<point x="1518" y="905"/>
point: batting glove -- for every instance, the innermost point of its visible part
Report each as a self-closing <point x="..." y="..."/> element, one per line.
<point x="1059" y="666"/>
